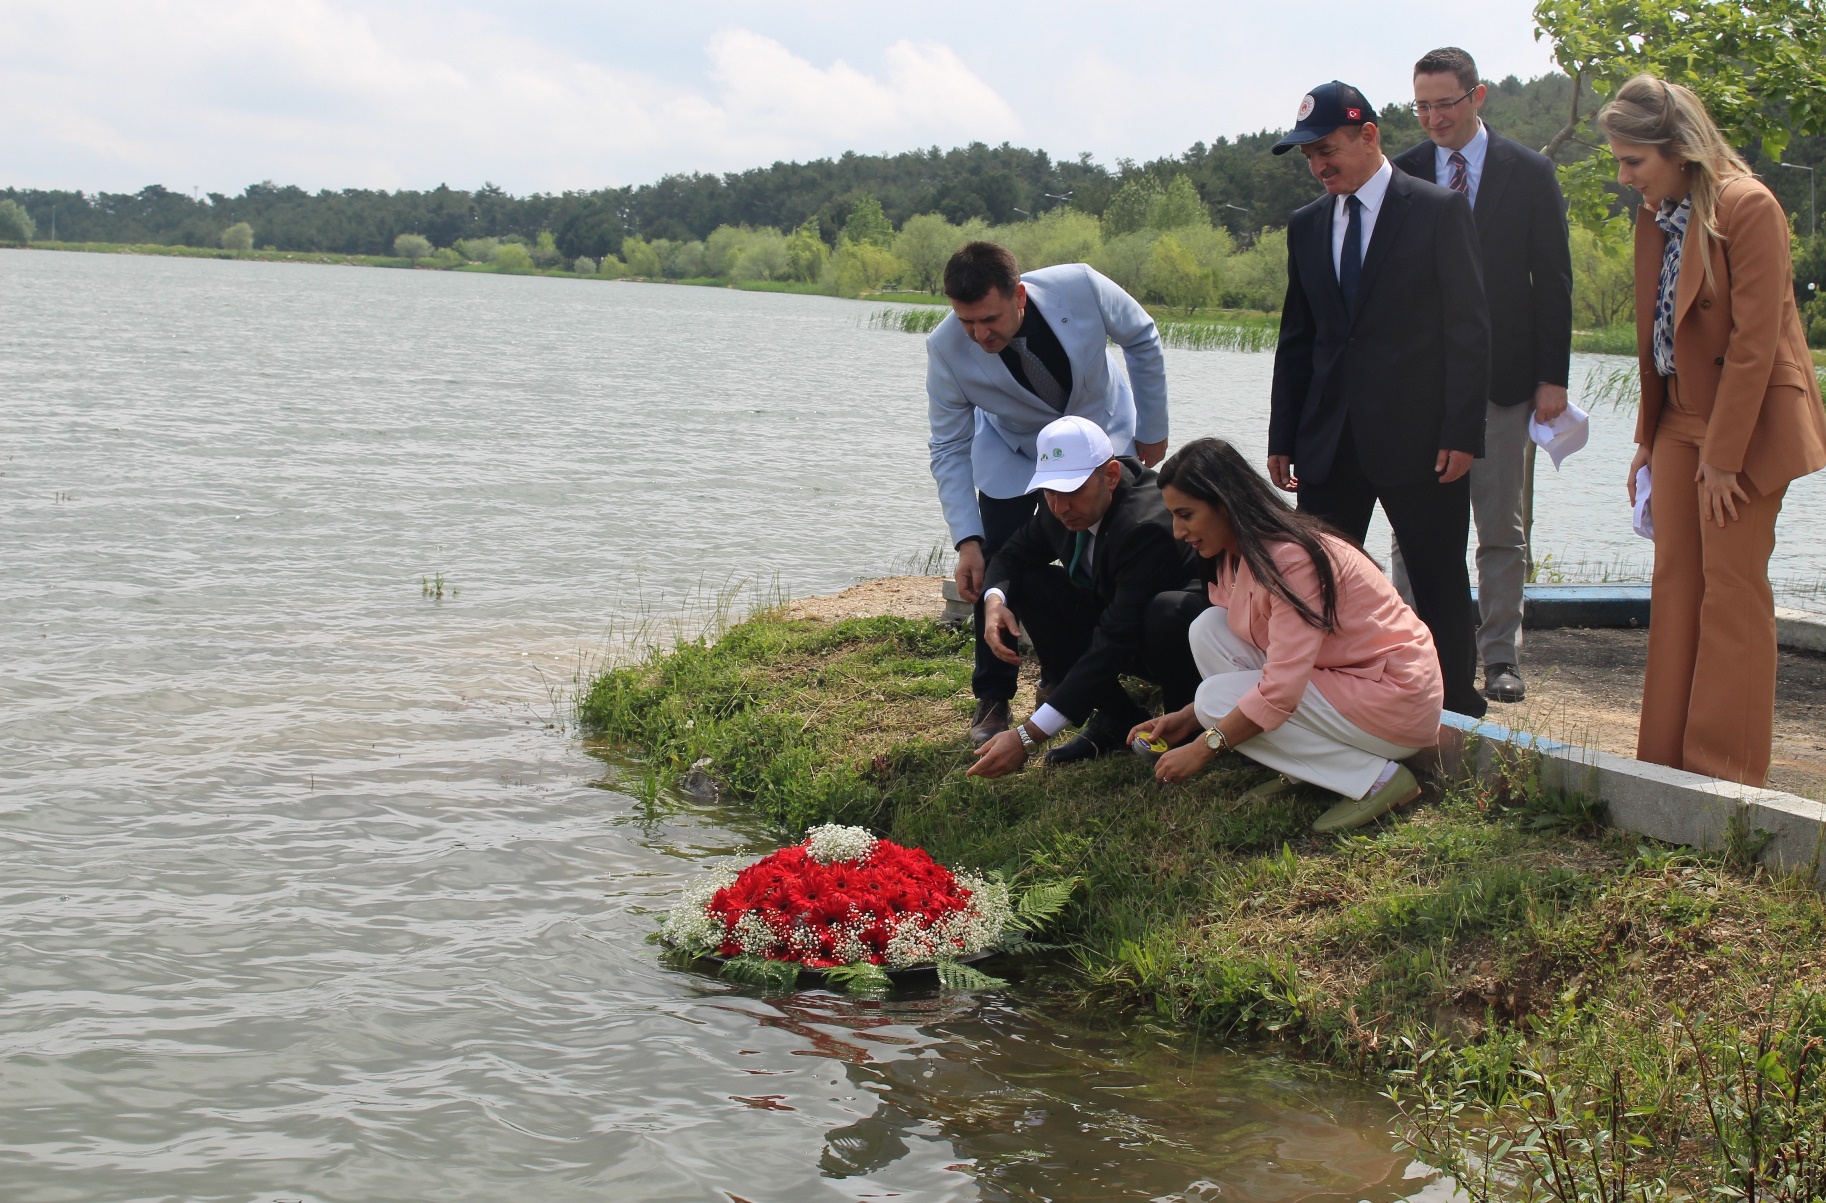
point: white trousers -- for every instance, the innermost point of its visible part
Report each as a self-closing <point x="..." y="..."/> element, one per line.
<point x="1318" y="745"/>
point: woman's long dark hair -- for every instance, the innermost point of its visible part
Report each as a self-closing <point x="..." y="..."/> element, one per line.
<point x="1212" y="471"/>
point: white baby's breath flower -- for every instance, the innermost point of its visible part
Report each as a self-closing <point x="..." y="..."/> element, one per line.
<point x="690" y="924"/>
<point x="831" y="843"/>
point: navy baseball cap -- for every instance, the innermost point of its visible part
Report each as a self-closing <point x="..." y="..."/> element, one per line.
<point x="1323" y="110"/>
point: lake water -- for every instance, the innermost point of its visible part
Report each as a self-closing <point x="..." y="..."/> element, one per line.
<point x="307" y="892"/>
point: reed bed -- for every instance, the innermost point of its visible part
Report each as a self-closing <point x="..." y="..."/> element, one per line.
<point x="1218" y="336"/>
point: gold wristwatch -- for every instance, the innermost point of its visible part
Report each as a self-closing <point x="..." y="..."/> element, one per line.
<point x="1217" y="741"/>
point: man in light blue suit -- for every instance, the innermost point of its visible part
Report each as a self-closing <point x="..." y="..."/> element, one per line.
<point x="1018" y="352"/>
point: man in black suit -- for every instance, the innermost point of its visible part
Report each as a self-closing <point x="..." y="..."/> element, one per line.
<point x="1521" y="226"/>
<point x="1384" y="364"/>
<point x="1103" y="588"/>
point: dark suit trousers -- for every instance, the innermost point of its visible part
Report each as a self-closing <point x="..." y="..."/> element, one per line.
<point x="1432" y="522"/>
<point x="1060" y="618"/>
<point x="992" y="680"/>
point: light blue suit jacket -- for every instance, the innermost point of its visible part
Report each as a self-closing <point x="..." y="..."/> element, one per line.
<point x="984" y="422"/>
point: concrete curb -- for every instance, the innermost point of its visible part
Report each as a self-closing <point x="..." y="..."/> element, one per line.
<point x="1627" y="606"/>
<point x="1787" y="831"/>
<point x="1800" y="631"/>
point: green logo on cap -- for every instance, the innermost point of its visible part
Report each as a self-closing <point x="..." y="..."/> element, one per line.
<point x="1057" y="452"/>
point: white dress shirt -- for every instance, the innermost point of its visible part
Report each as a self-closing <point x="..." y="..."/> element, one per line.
<point x="1050" y="721"/>
<point x="1474" y="152"/>
<point x="1371" y="196"/>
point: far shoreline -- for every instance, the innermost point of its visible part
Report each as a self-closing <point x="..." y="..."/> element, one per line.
<point x="1617" y="340"/>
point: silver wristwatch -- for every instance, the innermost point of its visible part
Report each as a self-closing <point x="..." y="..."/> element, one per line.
<point x="1028" y="743"/>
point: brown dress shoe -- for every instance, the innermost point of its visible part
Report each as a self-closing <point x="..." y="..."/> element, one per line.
<point x="990" y="721"/>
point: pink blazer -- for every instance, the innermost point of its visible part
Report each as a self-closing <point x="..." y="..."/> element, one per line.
<point x="1378" y="668"/>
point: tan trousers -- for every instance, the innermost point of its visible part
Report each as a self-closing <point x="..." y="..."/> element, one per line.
<point x="1708" y="698"/>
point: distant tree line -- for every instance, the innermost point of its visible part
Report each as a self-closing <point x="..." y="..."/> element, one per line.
<point x="1244" y="186"/>
<point x="804" y="221"/>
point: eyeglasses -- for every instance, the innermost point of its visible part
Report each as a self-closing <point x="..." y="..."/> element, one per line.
<point x="1422" y="107"/>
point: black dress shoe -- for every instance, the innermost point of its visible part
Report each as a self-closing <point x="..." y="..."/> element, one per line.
<point x="1503" y="683"/>
<point x="990" y="721"/>
<point x="1095" y="739"/>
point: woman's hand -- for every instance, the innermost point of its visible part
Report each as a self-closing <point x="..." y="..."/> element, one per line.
<point x="1719" y="493"/>
<point x="1172" y="727"/>
<point x="1637" y="462"/>
<point x="1182" y="763"/>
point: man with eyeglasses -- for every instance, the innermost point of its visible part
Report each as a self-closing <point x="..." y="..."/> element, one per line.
<point x="1521" y="228"/>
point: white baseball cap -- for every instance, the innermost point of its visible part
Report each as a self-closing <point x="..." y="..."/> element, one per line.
<point x="1066" y="454"/>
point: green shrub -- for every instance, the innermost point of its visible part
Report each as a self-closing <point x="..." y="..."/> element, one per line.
<point x="16" y="226"/>
<point x="412" y="246"/>
<point x="238" y="237"/>
<point x="478" y="250"/>
<point x="513" y="258"/>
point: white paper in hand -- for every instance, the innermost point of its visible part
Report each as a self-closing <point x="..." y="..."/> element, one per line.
<point x="1562" y="436"/>
<point x="1642" y="521"/>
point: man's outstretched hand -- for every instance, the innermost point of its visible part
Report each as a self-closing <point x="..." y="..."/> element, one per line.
<point x="1001" y="756"/>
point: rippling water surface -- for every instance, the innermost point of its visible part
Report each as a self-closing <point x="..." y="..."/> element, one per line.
<point x="306" y="892"/>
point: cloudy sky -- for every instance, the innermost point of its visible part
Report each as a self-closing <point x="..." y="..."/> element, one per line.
<point x="539" y="95"/>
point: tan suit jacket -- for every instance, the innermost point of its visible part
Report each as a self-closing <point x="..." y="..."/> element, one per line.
<point x="1739" y="350"/>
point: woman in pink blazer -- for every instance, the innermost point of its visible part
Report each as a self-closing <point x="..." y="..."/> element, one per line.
<point x="1312" y="663"/>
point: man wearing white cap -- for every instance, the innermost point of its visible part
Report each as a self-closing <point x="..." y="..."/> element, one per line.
<point x="1102" y="588"/>
<point x="1016" y="352"/>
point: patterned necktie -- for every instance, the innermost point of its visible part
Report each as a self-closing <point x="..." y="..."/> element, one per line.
<point x="1461" y="174"/>
<point x="1080" y="576"/>
<point x="1039" y="381"/>
<point x="1350" y="263"/>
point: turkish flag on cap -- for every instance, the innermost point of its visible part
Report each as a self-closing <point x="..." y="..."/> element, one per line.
<point x="1354" y="114"/>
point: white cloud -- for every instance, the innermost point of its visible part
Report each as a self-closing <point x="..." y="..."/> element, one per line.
<point x="928" y="91"/>
<point x="553" y="94"/>
<point x="222" y="92"/>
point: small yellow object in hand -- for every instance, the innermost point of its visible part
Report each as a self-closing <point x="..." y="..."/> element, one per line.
<point x="1148" y="746"/>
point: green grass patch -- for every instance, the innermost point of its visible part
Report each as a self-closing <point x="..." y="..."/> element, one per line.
<point x="1478" y="928"/>
<point x="908" y="320"/>
<point x="1220" y="330"/>
<point x="319" y="257"/>
<point x="910" y="298"/>
<point x="205" y="252"/>
<point x="1611" y="340"/>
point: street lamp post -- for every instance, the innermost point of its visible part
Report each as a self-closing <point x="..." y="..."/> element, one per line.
<point x="1813" y="213"/>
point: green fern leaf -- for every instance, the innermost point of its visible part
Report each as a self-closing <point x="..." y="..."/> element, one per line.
<point x="1042" y="902"/>
<point x="860" y="978"/>
<point x="758" y="971"/>
<point x="953" y="976"/>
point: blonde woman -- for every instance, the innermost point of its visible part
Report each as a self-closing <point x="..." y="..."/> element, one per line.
<point x="1730" y="414"/>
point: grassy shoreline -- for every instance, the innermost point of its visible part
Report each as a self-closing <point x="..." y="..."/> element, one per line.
<point x="1483" y="937"/>
<point x="1210" y="329"/>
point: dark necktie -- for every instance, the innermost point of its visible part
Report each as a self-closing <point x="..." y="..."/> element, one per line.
<point x="1080" y="571"/>
<point x="1461" y="174"/>
<point x="1039" y="381"/>
<point x="1350" y="263"/>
